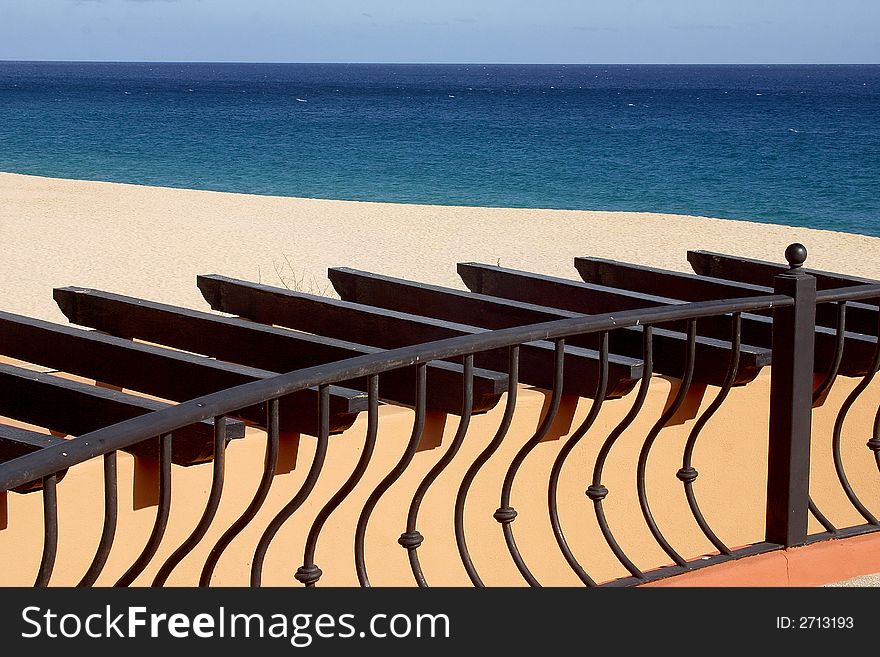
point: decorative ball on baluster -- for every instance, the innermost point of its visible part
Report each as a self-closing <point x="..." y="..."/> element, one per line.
<point x="796" y="254"/>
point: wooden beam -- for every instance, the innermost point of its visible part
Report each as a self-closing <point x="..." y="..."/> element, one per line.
<point x="582" y="297"/>
<point x="164" y="373"/>
<point x="267" y="347"/>
<point x="15" y="442"/>
<point x="860" y="317"/>
<point x="761" y="272"/>
<point x="663" y="282"/>
<point x="389" y="329"/>
<point x="75" y="408"/>
<point x="495" y="313"/>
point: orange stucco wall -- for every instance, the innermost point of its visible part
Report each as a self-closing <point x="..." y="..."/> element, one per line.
<point x="730" y="456"/>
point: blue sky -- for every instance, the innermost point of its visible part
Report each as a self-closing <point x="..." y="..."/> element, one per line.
<point x="479" y="31"/>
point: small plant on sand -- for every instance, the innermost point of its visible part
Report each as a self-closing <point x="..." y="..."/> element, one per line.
<point x="298" y="281"/>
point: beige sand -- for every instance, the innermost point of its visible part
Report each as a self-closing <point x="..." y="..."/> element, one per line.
<point x="152" y="242"/>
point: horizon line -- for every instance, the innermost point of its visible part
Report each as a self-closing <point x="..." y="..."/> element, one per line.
<point x="401" y="63"/>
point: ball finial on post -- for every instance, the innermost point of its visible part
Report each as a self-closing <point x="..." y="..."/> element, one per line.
<point x="796" y="254"/>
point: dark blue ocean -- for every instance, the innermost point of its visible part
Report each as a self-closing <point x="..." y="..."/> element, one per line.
<point x="794" y="145"/>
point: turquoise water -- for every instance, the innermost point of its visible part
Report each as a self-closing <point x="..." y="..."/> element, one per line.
<point x="795" y="145"/>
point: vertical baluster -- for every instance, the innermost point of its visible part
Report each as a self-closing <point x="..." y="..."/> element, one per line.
<point x="305" y="490"/>
<point x="391" y="477"/>
<point x="111" y="512"/>
<point x="476" y="466"/>
<point x="596" y="491"/>
<point x="820" y="393"/>
<point x="838" y="428"/>
<point x="309" y="573"/>
<point x="665" y="418"/>
<point x="574" y="439"/>
<point x="506" y="514"/>
<point x="688" y="474"/>
<point x="217" y="477"/>
<point x="162" y="512"/>
<point x="270" y="463"/>
<point x="411" y="539"/>
<point x="50" y="531"/>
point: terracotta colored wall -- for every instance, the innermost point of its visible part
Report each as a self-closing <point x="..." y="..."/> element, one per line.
<point x="730" y="456"/>
<point x="810" y="565"/>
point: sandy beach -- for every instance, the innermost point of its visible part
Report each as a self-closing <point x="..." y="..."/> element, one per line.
<point x="152" y="242"/>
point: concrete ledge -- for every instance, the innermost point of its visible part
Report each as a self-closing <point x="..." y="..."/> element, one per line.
<point x="821" y="563"/>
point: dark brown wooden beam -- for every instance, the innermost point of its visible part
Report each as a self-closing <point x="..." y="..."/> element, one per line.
<point x="761" y="272"/>
<point x="495" y="313"/>
<point x="164" y="373"/>
<point x="267" y="347"/>
<point x="15" y="442"/>
<point x="74" y="408"/>
<point x="591" y="298"/>
<point x="389" y="329"/>
<point x="860" y="317"/>
<point x="663" y="282"/>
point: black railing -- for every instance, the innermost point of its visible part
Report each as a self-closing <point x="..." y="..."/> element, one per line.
<point x="788" y="500"/>
<point x="840" y="298"/>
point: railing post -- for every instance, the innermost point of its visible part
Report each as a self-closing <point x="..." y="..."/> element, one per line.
<point x="791" y="381"/>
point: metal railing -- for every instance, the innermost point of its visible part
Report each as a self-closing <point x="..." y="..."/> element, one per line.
<point x="840" y="298"/>
<point x="788" y="501"/>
